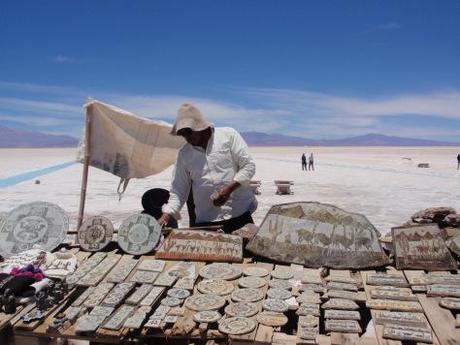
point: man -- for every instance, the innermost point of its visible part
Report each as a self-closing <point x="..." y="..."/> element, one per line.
<point x="311" y="165"/>
<point x="216" y="164"/>
<point x="458" y="161"/>
<point x="304" y="162"/>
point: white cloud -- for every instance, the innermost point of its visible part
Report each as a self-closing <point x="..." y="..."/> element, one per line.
<point x="34" y="106"/>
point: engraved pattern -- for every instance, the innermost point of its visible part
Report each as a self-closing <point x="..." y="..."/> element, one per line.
<point x="247" y="295"/>
<point x="279" y="294"/>
<point x="139" y="294"/>
<point x="98" y="294"/>
<point x="98" y="272"/>
<point x="221" y="271"/>
<point x="275" y="305"/>
<point x="255" y="271"/>
<point x="252" y="282"/>
<point x="147" y="277"/>
<point x="339" y="303"/>
<point x="153" y="295"/>
<point x="215" y="287"/>
<point x="244" y="309"/>
<point x="122" y="269"/>
<point x="207" y="316"/>
<point x="270" y="318"/>
<point x="237" y="325"/>
<point x="95" y="233"/>
<point x="119" y="317"/>
<point x="117" y="294"/>
<point x="152" y="265"/>
<point x="204" y="302"/>
<point x="85" y="267"/>
<point x="139" y="234"/>
<point x="178" y="293"/>
<point x="346" y="326"/>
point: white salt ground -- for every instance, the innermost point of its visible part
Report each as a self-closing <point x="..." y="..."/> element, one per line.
<point x="376" y="182"/>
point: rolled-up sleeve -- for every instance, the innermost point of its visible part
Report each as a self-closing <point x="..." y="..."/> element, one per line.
<point x="179" y="190"/>
<point x="245" y="163"/>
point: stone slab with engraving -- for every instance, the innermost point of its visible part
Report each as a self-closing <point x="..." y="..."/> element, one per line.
<point x="399" y="332"/>
<point x="342" y="314"/>
<point x="345" y="326"/>
<point x="95" y="233"/>
<point x="440" y="290"/>
<point x="340" y="303"/>
<point x="391" y="292"/>
<point x="243" y="309"/>
<point x="386" y="304"/>
<point x="122" y="269"/>
<point x="139" y="234"/>
<point x="400" y="318"/>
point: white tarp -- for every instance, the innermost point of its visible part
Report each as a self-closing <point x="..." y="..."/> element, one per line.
<point x="127" y="145"/>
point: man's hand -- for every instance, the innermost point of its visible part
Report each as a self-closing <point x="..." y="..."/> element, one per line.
<point x="224" y="192"/>
<point x="164" y="219"/>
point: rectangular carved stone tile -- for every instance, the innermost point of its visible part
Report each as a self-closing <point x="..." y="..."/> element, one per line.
<point x="342" y="314"/>
<point x="443" y="290"/>
<point x="318" y="288"/>
<point x="88" y="323"/>
<point x="98" y="295"/>
<point x="153" y="323"/>
<point x="102" y="311"/>
<point x="340" y="303"/>
<point x="400" y="318"/>
<point x="153" y="295"/>
<point x="80" y="299"/>
<point x="85" y="267"/>
<point x="152" y="265"/>
<point x="450" y="303"/>
<point x="147" y="277"/>
<point x="185" y="283"/>
<point x="99" y="272"/>
<point x="117" y="294"/>
<point x="341" y="286"/>
<point x="354" y="296"/>
<point x="139" y="294"/>
<point x="391" y="292"/>
<point x="72" y="313"/>
<point x="394" y="305"/>
<point x="387" y="279"/>
<point x="122" y="269"/>
<point x="308" y="309"/>
<point x="117" y="320"/>
<point x="165" y="280"/>
<point x="346" y="326"/>
<point x="399" y="332"/>
<point x="308" y="333"/>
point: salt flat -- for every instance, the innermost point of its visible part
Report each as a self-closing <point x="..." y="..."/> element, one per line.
<point x="381" y="183"/>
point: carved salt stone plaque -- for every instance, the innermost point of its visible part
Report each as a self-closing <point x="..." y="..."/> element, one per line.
<point x="247" y="295"/>
<point x="98" y="295"/>
<point x="122" y="269"/>
<point x="117" y="294"/>
<point x="391" y="292"/>
<point x="342" y="314"/>
<point x="153" y="295"/>
<point x="182" y="269"/>
<point x="185" y="283"/>
<point x="145" y="277"/>
<point x="252" y="282"/>
<point x="400" y="318"/>
<point x="308" y="297"/>
<point x="237" y="325"/>
<point x="80" y="299"/>
<point x="275" y="305"/>
<point x="282" y="274"/>
<point x="280" y="284"/>
<point x="222" y="271"/>
<point x="279" y="293"/>
<point x="341" y="286"/>
<point x="255" y="271"/>
<point x="207" y="316"/>
<point x="164" y="279"/>
<point x="215" y="287"/>
<point x="139" y="294"/>
<point x="443" y="290"/>
<point x="170" y="319"/>
<point x="355" y="296"/>
<point x="339" y="303"/>
<point x="135" y="321"/>
<point x="243" y="309"/>
<point x="387" y="279"/>
<point x="272" y="319"/>
<point x="119" y="317"/>
<point x="72" y="313"/>
<point x="312" y="287"/>
<point x="308" y="321"/>
<point x="171" y="301"/>
<point x="386" y="304"/>
<point x="345" y="326"/>
<point x="88" y="323"/>
<point x="153" y="323"/>
<point x="204" y="302"/>
<point x="152" y="265"/>
<point x="85" y="267"/>
<point x="399" y="332"/>
<point x="38" y="224"/>
<point x="308" y="333"/>
<point x="102" y="310"/>
<point x="316" y="235"/>
<point x="308" y="309"/>
<point x="99" y="272"/>
<point x="139" y="234"/>
<point x="161" y="312"/>
<point x="178" y="293"/>
<point x="200" y="245"/>
<point x="421" y="247"/>
<point x="95" y="233"/>
<point x="450" y="303"/>
<point x="445" y="279"/>
<point x="311" y="276"/>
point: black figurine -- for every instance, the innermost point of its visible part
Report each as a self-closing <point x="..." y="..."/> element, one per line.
<point x="10" y="306"/>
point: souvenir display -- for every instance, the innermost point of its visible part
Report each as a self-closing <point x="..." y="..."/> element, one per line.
<point x="178" y="293"/>
<point x="139" y="294"/>
<point x="139" y="234"/>
<point x="243" y="309"/>
<point x="152" y="265"/>
<point x="397" y="280"/>
<point x="95" y="233"/>
<point x="255" y="271"/>
<point x="144" y="277"/>
<point x="421" y="247"/>
<point x="207" y="316"/>
<point x="339" y="303"/>
<point x="41" y="225"/>
<point x="272" y="319"/>
<point x="399" y="332"/>
<point x="201" y="245"/>
<point x="117" y="320"/>
<point x="400" y="318"/>
<point x="171" y="301"/>
<point x="85" y="267"/>
<point x="332" y="285"/>
<point x="439" y="290"/>
<point x="215" y="287"/>
<point x="450" y="303"/>
<point x="279" y="293"/>
<point x="153" y="296"/>
<point x="99" y="272"/>
<point x="247" y="295"/>
<point x="37" y="257"/>
<point x="204" y="302"/>
<point x="237" y="325"/>
<point x="98" y="295"/>
<point x="275" y="305"/>
<point x="222" y="271"/>
<point x="123" y="268"/>
<point x="252" y="282"/>
<point x="117" y="294"/>
<point x="318" y="235"/>
<point x="391" y="292"/>
<point x="280" y="284"/>
<point x="282" y="274"/>
<point x="308" y="309"/>
<point x="165" y="279"/>
<point x="345" y="326"/>
<point x="337" y="314"/>
<point x="386" y="304"/>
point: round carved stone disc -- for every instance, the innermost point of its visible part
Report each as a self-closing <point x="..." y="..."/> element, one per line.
<point x="237" y="325"/>
<point x="139" y="234"/>
<point x="171" y="301"/>
<point x="204" y="302"/>
<point x="178" y="293"/>
<point x="279" y="293"/>
<point x="221" y="271"/>
<point x="215" y="287"/>
<point x="252" y="282"/>
<point x="247" y="295"/>
<point x="95" y="233"/>
<point x="280" y="284"/>
<point x="243" y="309"/>
<point x="282" y="274"/>
<point x="38" y="224"/>
<point x="255" y="271"/>
<point x="276" y="305"/>
<point x="207" y="316"/>
<point x="272" y="319"/>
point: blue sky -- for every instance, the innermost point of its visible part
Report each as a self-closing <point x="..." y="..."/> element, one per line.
<point x="316" y="69"/>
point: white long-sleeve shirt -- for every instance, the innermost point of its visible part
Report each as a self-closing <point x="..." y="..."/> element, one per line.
<point x="226" y="158"/>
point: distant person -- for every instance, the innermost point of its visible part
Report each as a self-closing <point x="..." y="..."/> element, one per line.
<point x="304" y="162"/>
<point x="311" y="164"/>
<point x="458" y="161"/>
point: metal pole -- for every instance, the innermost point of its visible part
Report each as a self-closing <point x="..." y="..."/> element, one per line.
<point x="84" y="179"/>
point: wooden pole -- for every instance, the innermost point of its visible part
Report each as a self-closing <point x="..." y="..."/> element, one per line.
<point x="84" y="179"/>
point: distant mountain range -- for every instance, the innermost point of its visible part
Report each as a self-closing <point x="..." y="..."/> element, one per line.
<point x="11" y="138"/>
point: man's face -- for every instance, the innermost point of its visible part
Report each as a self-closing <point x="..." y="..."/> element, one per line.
<point x="192" y="137"/>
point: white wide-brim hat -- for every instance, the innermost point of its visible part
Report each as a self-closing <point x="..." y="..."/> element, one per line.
<point x="188" y="116"/>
